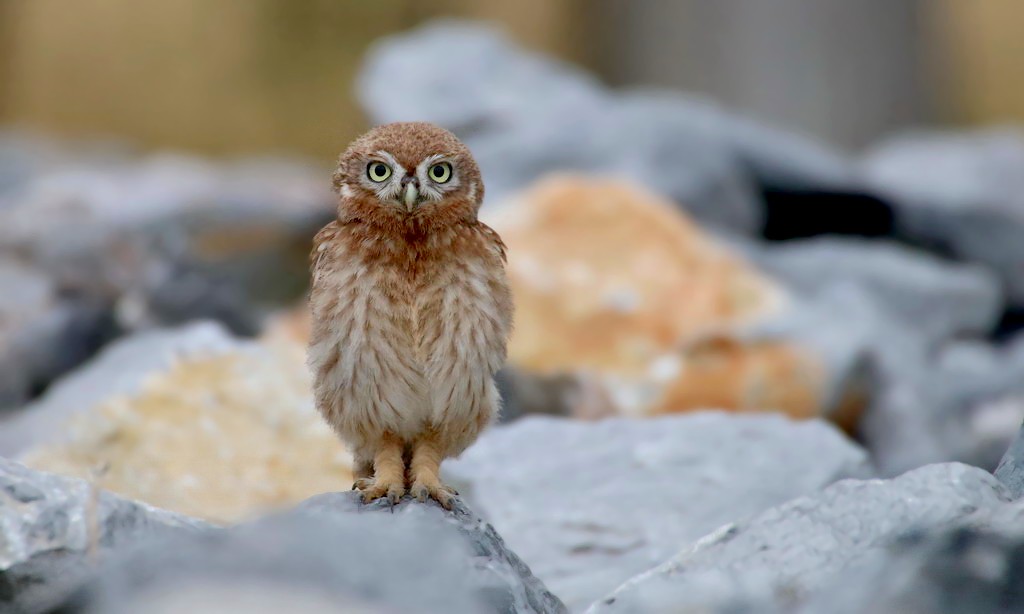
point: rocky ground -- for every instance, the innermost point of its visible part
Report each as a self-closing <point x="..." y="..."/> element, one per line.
<point x="749" y="373"/>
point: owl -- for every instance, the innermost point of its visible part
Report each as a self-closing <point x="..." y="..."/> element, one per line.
<point x="410" y="310"/>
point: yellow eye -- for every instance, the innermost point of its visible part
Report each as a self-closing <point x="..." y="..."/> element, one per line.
<point x="378" y="171"/>
<point x="440" y="172"/>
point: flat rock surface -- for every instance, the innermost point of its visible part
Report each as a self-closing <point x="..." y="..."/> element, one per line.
<point x="590" y="504"/>
<point x="780" y="557"/>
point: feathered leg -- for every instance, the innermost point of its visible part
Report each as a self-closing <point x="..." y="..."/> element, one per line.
<point x="424" y="469"/>
<point x="388" y="472"/>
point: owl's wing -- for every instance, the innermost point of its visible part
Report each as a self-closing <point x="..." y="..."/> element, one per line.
<point x="321" y="248"/>
<point x="494" y="241"/>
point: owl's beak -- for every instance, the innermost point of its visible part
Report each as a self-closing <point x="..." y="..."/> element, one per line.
<point x="411" y="195"/>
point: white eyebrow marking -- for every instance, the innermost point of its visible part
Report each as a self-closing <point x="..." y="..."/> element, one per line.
<point x="392" y="162"/>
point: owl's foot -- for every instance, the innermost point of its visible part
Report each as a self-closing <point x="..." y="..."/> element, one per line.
<point x="376" y="488"/>
<point x="443" y="494"/>
<point x="388" y="473"/>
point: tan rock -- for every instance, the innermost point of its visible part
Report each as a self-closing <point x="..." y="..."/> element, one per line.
<point x="619" y="288"/>
<point x="220" y="436"/>
<point x="609" y="277"/>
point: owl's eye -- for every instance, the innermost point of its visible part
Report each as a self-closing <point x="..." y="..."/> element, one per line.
<point x="440" y="172"/>
<point x="378" y="171"/>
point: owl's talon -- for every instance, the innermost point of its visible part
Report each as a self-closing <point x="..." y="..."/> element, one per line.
<point x="378" y="490"/>
<point x="362" y="483"/>
<point x="436" y="491"/>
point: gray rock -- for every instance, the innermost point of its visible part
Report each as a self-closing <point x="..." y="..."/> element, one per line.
<point x="41" y="333"/>
<point x="793" y="552"/>
<point x="121" y="368"/>
<point x="1010" y="470"/>
<point x="571" y="497"/>
<point x="941" y="571"/>
<point x="53" y="531"/>
<point x="960" y="403"/>
<point x="163" y="238"/>
<point x="64" y="543"/>
<point x="963" y="193"/>
<point x="333" y="548"/>
<point x="938" y="299"/>
<point x="524" y="116"/>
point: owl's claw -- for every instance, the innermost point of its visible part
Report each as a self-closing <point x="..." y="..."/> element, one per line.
<point x="435" y="490"/>
<point x="374" y="489"/>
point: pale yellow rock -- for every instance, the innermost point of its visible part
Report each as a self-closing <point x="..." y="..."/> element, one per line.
<point x="221" y="437"/>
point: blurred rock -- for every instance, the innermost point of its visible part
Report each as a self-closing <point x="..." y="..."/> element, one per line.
<point x="42" y="334"/>
<point x="120" y="369"/>
<point x="54" y="530"/>
<point x="164" y="238"/>
<point x="525" y="116"/>
<point x="336" y="554"/>
<point x="960" y="193"/>
<point x="962" y="403"/>
<point x="788" y="554"/>
<point x="568" y="495"/>
<point x="938" y="299"/>
<point x="1010" y="470"/>
<point x="189" y="420"/>
<point x="647" y="314"/>
<point x="972" y="569"/>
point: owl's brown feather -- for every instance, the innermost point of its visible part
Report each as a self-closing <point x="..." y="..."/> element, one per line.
<point x="411" y="312"/>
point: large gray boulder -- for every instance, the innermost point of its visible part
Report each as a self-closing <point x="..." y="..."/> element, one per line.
<point x="332" y="549"/>
<point x="64" y="543"/>
<point x="776" y="560"/>
<point x="972" y="568"/>
<point x="590" y="504"/>
<point x="961" y="193"/>
<point x="524" y="116"/>
<point x="54" y="530"/>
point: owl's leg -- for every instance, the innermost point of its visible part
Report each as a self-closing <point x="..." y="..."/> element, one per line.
<point x="362" y="472"/>
<point x="388" y="472"/>
<point x="424" y="469"/>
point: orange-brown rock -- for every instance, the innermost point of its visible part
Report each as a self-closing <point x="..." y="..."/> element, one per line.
<point x="608" y="278"/>
<point x="619" y="288"/>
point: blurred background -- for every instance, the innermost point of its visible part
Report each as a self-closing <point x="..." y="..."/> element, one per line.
<point x="234" y="76"/>
<point x="813" y="208"/>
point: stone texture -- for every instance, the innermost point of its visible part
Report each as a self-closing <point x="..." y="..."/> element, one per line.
<point x="787" y="554"/>
<point x="938" y="299"/>
<point x="962" y="193"/>
<point x="163" y="238"/>
<point x="53" y="531"/>
<point x="42" y="334"/>
<point x="972" y="569"/>
<point x="330" y="554"/>
<point x="589" y="504"/>
<point x="120" y="369"/>
<point x="337" y="554"/>
<point x="958" y="403"/>
<point x="525" y="116"/>
<point x="626" y="307"/>
<point x="190" y="420"/>
<point x="1010" y="470"/>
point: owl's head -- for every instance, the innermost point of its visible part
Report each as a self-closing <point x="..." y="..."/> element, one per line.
<point x="408" y="171"/>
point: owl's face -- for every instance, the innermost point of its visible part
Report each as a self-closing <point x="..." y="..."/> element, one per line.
<point x="409" y="170"/>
